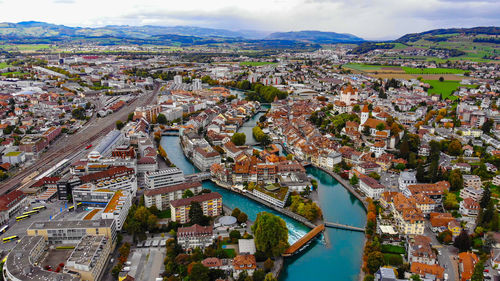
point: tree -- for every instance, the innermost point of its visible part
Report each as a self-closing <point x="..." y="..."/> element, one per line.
<point x="445" y="237"/>
<point x="374" y="261"/>
<point x="441" y="79"/>
<point x="354" y="180"/>
<point x="477" y="275"/>
<point x="487" y="126"/>
<point x="462" y="242"/>
<point x="199" y="272"/>
<point x="456" y="180"/>
<point x="187" y="194"/>
<point x="161" y="119"/>
<point x="366" y="131"/>
<point x="415" y="277"/>
<point x="119" y="125"/>
<point x="130" y="116"/>
<point x="268" y="265"/>
<point x="196" y="213"/>
<point x="259" y="275"/>
<point x="234" y="235"/>
<point x="242" y="217"/>
<point x="485" y="199"/>
<point x="450" y="201"/>
<point x="270" y="277"/>
<point x="356" y="108"/>
<point x="455" y="148"/>
<point x="380" y="127"/>
<point x="239" y="138"/>
<point x="271" y="234"/>
<point x="404" y="149"/>
<point x="369" y="277"/>
<point x="236" y="212"/>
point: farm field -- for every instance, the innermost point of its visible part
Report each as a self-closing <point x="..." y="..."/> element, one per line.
<point x="411" y="70"/>
<point x="402" y="75"/>
<point x="25" y="47"/>
<point x="369" y="67"/>
<point x="255" y="63"/>
<point x="445" y="88"/>
<point x="3" y="65"/>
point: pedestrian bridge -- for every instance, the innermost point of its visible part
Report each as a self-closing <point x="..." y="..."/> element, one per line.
<point x="198" y="176"/>
<point x="303" y="242"/>
<point x="343" y="226"/>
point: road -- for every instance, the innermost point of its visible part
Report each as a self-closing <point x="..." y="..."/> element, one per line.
<point x="73" y="144"/>
<point x="446" y="256"/>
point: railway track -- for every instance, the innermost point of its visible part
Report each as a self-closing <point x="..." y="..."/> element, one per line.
<point x="76" y="143"/>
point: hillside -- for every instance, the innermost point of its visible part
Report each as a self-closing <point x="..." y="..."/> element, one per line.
<point x="313" y="36"/>
<point x="476" y="44"/>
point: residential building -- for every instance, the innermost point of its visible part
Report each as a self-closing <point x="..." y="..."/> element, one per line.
<point x="424" y="270"/>
<point x="204" y="158"/>
<point x="473" y="193"/>
<point x="118" y="207"/>
<point x="14" y="157"/>
<point x="405" y="179"/>
<point x="472" y="181"/>
<point x="245" y="263"/>
<point x="371" y="187"/>
<point x="469" y="207"/>
<point x="419" y="250"/>
<point x="466" y="263"/>
<point x="211" y="204"/>
<point x="195" y="236"/>
<point x="161" y="197"/>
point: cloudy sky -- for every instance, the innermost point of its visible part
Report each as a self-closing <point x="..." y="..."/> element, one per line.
<point x="370" y="19"/>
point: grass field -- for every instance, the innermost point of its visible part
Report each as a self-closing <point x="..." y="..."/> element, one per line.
<point x="392" y="249"/>
<point x="367" y="67"/>
<point x="25" y="47"/>
<point x="445" y="88"/>
<point x="411" y="70"/>
<point x="255" y="63"/>
<point x="393" y="259"/>
<point x="3" y="65"/>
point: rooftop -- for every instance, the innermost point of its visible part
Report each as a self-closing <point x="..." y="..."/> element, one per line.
<point x="71" y="224"/>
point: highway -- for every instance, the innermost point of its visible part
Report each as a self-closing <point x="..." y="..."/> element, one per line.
<point x="71" y="145"/>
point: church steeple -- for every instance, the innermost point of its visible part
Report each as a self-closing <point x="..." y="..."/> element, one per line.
<point x="365" y="114"/>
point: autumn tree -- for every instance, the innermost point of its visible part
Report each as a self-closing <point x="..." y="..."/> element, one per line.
<point x="239" y="138"/>
<point x="455" y="148"/>
<point x="271" y="234"/>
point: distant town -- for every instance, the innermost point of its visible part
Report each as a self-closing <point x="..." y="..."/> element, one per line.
<point x="209" y="163"/>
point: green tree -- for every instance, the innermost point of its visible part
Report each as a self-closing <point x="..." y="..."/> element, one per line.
<point x="354" y="180"/>
<point x="196" y="213"/>
<point x="199" y="273"/>
<point x="456" y="180"/>
<point x="259" y="275"/>
<point x="366" y="131"/>
<point x="477" y="274"/>
<point x="270" y="234"/>
<point x="487" y="126"/>
<point x="119" y="125"/>
<point x="404" y="149"/>
<point x="485" y="199"/>
<point x="462" y="242"/>
<point x="369" y="277"/>
<point x="187" y="194"/>
<point x="270" y="277"/>
<point x="130" y="116"/>
<point x="380" y="127"/>
<point x="374" y="261"/>
<point x="239" y="138"/>
<point x="161" y="119"/>
<point x="415" y="277"/>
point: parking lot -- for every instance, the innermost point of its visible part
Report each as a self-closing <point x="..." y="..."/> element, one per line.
<point x="19" y="228"/>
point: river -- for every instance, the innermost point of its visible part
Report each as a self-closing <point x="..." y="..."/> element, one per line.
<point x="340" y="260"/>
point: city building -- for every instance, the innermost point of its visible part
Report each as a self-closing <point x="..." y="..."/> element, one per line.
<point x="211" y="204"/>
<point x="204" y="158"/>
<point x="371" y="187"/>
<point x="89" y="257"/>
<point x="471" y="192"/>
<point x="161" y="197"/>
<point x="163" y="178"/>
<point x="245" y="263"/>
<point x="10" y="204"/>
<point x="71" y="232"/>
<point x="472" y="181"/>
<point x="195" y="236"/>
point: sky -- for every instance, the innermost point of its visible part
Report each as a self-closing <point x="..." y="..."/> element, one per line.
<point x="370" y="19"/>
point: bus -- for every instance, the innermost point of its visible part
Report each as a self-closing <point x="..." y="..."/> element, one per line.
<point x="4" y="228"/>
<point x="71" y="208"/>
<point x="79" y="203"/>
<point x="31" y="212"/>
<point x="40" y="208"/>
<point x="23" y="217"/>
<point x="10" y="238"/>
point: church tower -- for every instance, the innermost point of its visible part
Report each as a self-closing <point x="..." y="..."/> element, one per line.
<point x="365" y="113"/>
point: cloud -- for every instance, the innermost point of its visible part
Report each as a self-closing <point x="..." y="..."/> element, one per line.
<point x="369" y="19"/>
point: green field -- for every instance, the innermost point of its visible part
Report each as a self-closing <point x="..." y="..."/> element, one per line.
<point x="4" y="65"/>
<point x="15" y="73"/>
<point x="445" y="88"/>
<point x="366" y="67"/>
<point x="255" y="63"/>
<point x="411" y="70"/>
<point x="393" y="249"/>
<point x="25" y="47"/>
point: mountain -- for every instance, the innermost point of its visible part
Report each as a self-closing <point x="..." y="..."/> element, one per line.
<point x="440" y="35"/>
<point x="314" y="36"/>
